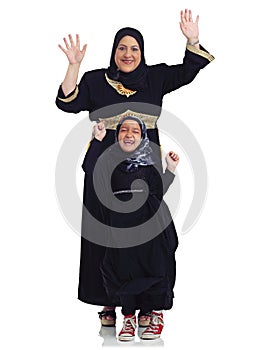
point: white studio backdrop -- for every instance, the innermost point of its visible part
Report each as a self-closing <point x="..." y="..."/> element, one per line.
<point x="218" y="293"/>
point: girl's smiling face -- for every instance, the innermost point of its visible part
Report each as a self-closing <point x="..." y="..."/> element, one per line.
<point x="129" y="136"/>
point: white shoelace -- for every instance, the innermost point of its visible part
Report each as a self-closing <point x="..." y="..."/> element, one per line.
<point x="128" y="327"/>
<point x="155" y="321"/>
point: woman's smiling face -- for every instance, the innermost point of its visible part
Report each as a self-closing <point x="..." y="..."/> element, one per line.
<point x="128" y="54"/>
<point x="129" y="136"/>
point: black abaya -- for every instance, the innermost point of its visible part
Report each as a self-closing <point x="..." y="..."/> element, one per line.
<point x="93" y="93"/>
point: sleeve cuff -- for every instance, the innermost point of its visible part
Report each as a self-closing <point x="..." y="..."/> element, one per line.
<point x="94" y="145"/>
<point x="169" y="174"/>
<point x="201" y="52"/>
<point x="69" y="97"/>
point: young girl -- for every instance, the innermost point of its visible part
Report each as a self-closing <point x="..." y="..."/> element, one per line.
<point x="140" y="276"/>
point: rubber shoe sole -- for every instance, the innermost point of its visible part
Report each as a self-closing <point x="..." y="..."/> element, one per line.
<point x="150" y="336"/>
<point x="126" y="337"/>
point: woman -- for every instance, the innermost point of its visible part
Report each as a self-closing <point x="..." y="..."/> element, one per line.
<point x="141" y="276"/>
<point x="130" y="85"/>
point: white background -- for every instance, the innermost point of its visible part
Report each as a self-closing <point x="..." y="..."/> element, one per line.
<point x="218" y="294"/>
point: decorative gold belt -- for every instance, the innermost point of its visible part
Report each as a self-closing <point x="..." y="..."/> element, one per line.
<point x="112" y="122"/>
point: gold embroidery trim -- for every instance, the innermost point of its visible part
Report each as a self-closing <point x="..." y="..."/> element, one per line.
<point x="112" y="122"/>
<point x="119" y="87"/>
<point x="71" y="98"/>
<point x="88" y="146"/>
<point x="200" y="52"/>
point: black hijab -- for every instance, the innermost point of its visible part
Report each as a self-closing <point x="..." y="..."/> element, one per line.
<point x="136" y="79"/>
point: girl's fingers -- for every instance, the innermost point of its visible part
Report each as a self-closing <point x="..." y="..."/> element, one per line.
<point x="101" y="126"/>
<point x="174" y="156"/>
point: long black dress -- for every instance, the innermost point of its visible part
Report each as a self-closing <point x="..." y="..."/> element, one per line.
<point x="95" y="92"/>
<point x="141" y="276"/>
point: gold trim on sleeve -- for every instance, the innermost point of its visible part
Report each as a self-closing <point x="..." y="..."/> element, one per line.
<point x="88" y="146"/>
<point x="200" y="52"/>
<point x="112" y="122"/>
<point x="71" y="98"/>
<point x="119" y="87"/>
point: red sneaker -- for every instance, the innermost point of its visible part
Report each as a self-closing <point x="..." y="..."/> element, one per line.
<point x="155" y="328"/>
<point x="128" y="329"/>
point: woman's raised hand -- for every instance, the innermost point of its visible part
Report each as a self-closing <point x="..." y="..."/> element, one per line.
<point x="72" y="50"/>
<point x="188" y="27"/>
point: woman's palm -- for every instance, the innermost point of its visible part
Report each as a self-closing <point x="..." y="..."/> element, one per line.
<point x="73" y="51"/>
